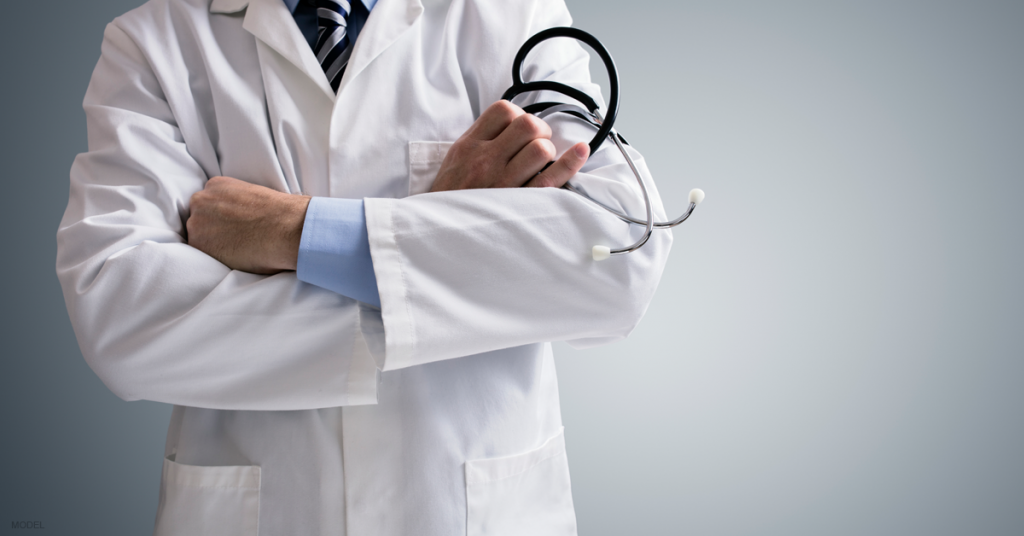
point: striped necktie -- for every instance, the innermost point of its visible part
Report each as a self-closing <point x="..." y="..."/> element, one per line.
<point x="332" y="50"/>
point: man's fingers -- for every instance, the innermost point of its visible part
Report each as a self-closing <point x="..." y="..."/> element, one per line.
<point x="494" y="120"/>
<point x="525" y="165"/>
<point x="563" y="169"/>
<point x="506" y="148"/>
<point x="521" y="132"/>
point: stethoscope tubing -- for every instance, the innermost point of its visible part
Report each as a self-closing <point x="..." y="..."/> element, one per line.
<point x="519" y="87"/>
<point x="593" y="116"/>
<point x="548" y="108"/>
<point x="629" y="219"/>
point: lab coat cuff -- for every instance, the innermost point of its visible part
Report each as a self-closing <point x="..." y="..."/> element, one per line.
<point x="388" y="266"/>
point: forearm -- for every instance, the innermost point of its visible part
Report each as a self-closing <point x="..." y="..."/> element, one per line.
<point x="471" y="271"/>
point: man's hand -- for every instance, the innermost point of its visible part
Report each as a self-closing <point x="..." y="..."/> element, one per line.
<point x="247" y="227"/>
<point x="506" y="148"/>
<point x="258" y="230"/>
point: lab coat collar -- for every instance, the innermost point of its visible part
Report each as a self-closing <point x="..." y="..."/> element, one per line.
<point x="228" y="6"/>
<point x="292" y="3"/>
<point x="234" y="6"/>
<point x="388" y="20"/>
<point x="270" y="22"/>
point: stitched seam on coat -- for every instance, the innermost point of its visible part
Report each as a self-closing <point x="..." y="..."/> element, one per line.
<point x="517" y="473"/>
<point x="405" y="285"/>
<point x="357" y="338"/>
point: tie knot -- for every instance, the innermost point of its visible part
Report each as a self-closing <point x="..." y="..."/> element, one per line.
<point x="341" y="7"/>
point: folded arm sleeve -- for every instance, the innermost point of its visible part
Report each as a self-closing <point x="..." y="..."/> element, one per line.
<point x="471" y="271"/>
<point x="160" y="320"/>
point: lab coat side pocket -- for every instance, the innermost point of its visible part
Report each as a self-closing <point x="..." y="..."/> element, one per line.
<point x="526" y="493"/>
<point x="425" y="159"/>
<point x="198" y="501"/>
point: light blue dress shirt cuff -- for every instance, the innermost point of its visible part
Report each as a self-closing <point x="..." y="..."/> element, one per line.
<point x="334" y="252"/>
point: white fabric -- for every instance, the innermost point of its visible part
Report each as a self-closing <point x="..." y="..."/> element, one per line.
<point x="361" y="421"/>
<point x="214" y="501"/>
<point x="499" y="490"/>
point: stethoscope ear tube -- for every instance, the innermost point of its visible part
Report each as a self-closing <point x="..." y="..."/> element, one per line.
<point x="519" y="87"/>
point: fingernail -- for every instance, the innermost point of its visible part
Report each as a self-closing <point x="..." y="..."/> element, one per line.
<point x="582" y="150"/>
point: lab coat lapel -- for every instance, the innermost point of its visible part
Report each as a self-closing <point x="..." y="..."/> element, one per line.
<point x="387" y="22"/>
<point x="270" y="22"/>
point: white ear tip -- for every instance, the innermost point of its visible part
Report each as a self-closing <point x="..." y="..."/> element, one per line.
<point x="601" y="253"/>
<point x="696" y="196"/>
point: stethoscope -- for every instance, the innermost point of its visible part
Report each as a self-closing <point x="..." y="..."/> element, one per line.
<point x="604" y="125"/>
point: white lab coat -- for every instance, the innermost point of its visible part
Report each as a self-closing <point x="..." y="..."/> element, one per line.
<point x="297" y="410"/>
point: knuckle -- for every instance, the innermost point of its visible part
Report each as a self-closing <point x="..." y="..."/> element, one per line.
<point x="541" y="149"/>
<point x="548" y="150"/>
<point x="541" y="125"/>
<point x="505" y="110"/>
<point x="533" y="126"/>
<point x="501" y="105"/>
<point x="506" y="106"/>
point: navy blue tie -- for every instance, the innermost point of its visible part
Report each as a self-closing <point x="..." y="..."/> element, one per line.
<point x="332" y="46"/>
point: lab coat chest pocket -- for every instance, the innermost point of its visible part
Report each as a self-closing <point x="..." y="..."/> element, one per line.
<point x="197" y="501"/>
<point x="425" y="159"/>
<point x="527" y="493"/>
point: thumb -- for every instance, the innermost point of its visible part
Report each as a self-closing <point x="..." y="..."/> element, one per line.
<point x="563" y="169"/>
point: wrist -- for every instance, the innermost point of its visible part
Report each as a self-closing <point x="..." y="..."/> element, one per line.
<point x="290" y="221"/>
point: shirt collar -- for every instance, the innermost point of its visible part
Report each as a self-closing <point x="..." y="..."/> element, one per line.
<point x="292" y="3"/>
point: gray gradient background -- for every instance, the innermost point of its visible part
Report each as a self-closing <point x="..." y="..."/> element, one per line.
<point x="836" y="347"/>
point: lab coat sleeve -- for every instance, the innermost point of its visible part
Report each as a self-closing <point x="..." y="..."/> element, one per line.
<point x="160" y="320"/>
<point x="471" y="271"/>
